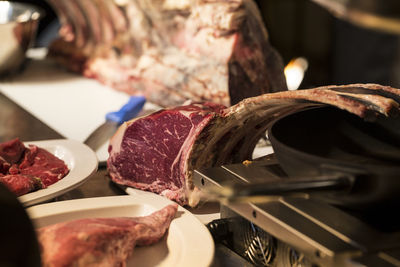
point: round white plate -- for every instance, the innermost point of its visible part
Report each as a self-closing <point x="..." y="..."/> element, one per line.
<point x="81" y="161"/>
<point x="205" y="211"/>
<point x="187" y="243"/>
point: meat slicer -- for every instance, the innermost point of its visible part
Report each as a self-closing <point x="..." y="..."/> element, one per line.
<point x="271" y="216"/>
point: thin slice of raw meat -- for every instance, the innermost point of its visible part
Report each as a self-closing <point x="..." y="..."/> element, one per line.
<point x="101" y="241"/>
<point x="21" y="184"/>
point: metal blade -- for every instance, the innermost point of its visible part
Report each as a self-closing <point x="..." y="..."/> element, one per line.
<point x="256" y="182"/>
<point x="101" y="135"/>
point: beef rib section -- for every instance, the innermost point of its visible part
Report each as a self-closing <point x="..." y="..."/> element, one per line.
<point x="170" y="50"/>
<point x="159" y="152"/>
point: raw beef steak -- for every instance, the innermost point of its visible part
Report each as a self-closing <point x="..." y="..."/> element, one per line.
<point x="41" y="163"/>
<point x="21" y="184"/>
<point x="159" y="152"/>
<point x="170" y="50"/>
<point x="26" y="169"/>
<point x="10" y="153"/>
<point x="101" y="241"/>
<point x="157" y="146"/>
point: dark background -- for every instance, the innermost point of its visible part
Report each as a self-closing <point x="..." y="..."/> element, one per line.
<point x="337" y="52"/>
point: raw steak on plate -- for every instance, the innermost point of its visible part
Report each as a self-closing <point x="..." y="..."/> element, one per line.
<point x="26" y="169"/>
<point x="101" y="241"/>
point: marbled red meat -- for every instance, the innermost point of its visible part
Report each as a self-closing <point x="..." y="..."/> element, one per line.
<point x="41" y="163"/>
<point x="154" y="150"/>
<point x="26" y="169"/>
<point x="10" y="153"/>
<point x="21" y="184"/>
<point x="159" y="152"/>
<point x="101" y="241"/>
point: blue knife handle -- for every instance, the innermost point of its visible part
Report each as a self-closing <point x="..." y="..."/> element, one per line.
<point x="128" y="111"/>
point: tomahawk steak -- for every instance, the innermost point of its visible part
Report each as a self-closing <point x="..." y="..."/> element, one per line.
<point x="159" y="152"/>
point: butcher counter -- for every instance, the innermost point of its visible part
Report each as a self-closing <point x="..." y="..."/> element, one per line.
<point x="15" y="121"/>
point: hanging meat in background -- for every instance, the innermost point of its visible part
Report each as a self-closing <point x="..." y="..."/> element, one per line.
<point x="170" y="51"/>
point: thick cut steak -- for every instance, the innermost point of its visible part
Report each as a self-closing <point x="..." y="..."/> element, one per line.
<point x="101" y="241"/>
<point x="159" y="152"/>
<point x="170" y="50"/>
<point x="140" y="155"/>
<point x="26" y="169"/>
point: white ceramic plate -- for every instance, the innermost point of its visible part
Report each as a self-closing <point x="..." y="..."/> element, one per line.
<point x="188" y="242"/>
<point x="205" y="211"/>
<point x="81" y="161"/>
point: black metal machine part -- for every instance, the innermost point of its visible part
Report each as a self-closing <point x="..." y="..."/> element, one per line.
<point x="253" y="243"/>
<point x="382" y="15"/>
<point x="260" y="248"/>
<point x="327" y="140"/>
<point x="335" y="156"/>
<point x="353" y="227"/>
<point x="308" y="230"/>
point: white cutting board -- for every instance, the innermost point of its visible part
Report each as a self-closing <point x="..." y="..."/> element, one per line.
<point x="69" y="103"/>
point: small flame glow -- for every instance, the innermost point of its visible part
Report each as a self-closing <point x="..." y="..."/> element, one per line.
<point x="294" y="72"/>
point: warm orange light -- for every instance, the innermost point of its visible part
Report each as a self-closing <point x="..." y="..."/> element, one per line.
<point x="294" y="72"/>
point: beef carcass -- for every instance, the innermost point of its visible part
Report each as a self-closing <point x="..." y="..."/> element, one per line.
<point x="159" y="152"/>
<point x="101" y="241"/>
<point x="26" y="169"/>
<point x="170" y="50"/>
